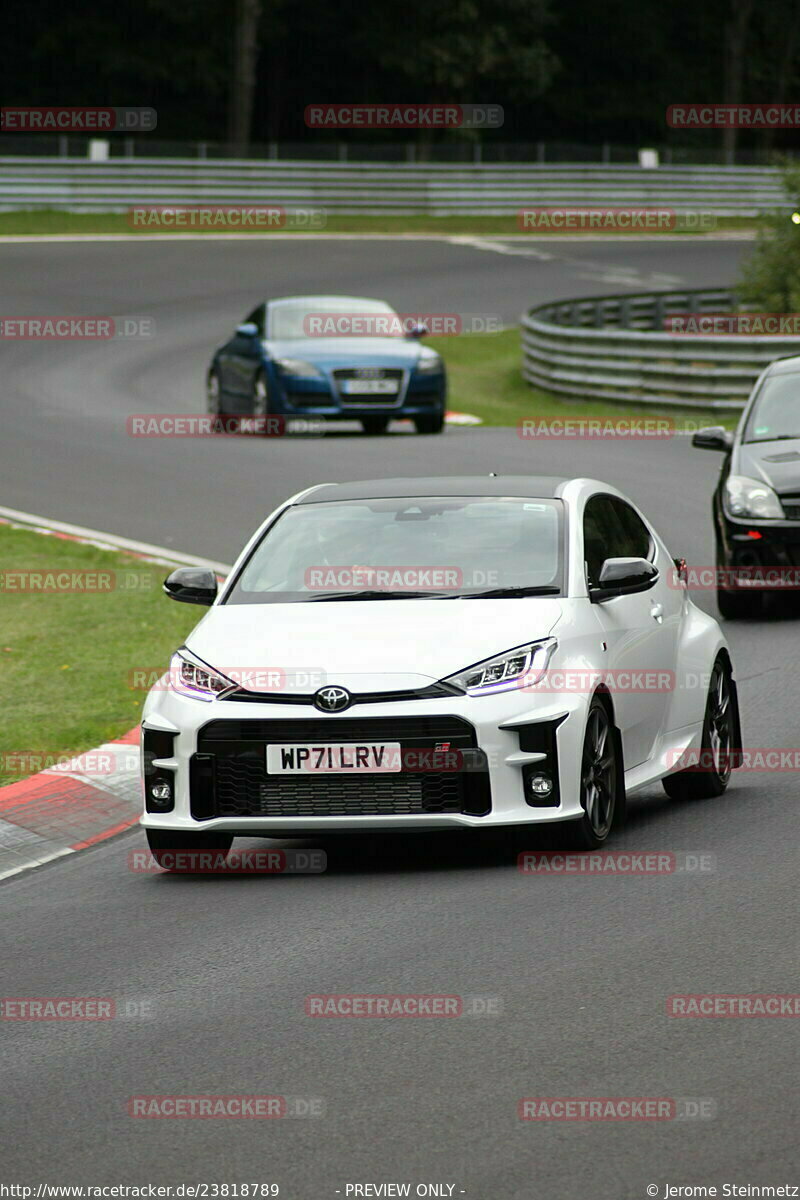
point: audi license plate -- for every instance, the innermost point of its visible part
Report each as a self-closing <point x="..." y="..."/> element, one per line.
<point x="362" y="758"/>
<point x="370" y="387"/>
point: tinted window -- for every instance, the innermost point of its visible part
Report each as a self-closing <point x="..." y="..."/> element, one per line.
<point x="611" y="529"/>
<point x="636" y="538"/>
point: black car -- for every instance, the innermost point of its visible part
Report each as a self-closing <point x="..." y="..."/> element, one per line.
<point x="757" y="499"/>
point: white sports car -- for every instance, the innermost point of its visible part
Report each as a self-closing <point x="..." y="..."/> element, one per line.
<point x="420" y="654"/>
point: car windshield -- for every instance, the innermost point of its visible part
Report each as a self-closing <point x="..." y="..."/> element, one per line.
<point x="332" y="316"/>
<point x="432" y="547"/>
<point x="776" y="412"/>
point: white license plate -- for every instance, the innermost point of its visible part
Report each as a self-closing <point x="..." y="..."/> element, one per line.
<point x="370" y="387"/>
<point x="339" y="758"/>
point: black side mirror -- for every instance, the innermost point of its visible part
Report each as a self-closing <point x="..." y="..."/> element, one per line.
<point x="416" y="332"/>
<point x="192" y="585"/>
<point x="623" y="577"/>
<point x="247" y="330"/>
<point x="714" y="437"/>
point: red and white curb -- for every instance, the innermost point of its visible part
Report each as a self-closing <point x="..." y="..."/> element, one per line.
<point x="97" y="794"/>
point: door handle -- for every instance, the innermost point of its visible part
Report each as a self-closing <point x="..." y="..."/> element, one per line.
<point x="657" y="612"/>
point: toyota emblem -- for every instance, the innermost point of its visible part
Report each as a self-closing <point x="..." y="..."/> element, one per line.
<point x="332" y="699"/>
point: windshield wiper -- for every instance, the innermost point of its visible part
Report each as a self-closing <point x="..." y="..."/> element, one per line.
<point x="549" y="589"/>
<point x="379" y="594"/>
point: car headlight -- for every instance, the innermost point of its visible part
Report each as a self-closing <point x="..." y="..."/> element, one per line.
<point x="525" y="664"/>
<point x="188" y="676"/>
<point x="750" y="498"/>
<point x="427" y="364"/>
<point x="298" y="367"/>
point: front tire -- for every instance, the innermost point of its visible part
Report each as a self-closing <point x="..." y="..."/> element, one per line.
<point x="738" y="604"/>
<point x="213" y="390"/>
<point x="712" y="774"/>
<point x="165" y="844"/>
<point x="601" y="781"/>
<point x="433" y="423"/>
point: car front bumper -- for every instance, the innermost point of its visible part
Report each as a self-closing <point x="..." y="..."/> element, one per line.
<point x="213" y="769"/>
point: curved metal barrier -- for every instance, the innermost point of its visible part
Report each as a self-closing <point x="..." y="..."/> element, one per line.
<point x="616" y="348"/>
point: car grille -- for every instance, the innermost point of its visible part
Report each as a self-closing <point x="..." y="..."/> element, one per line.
<point x="791" y="507"/>
<point x="366" y="401"/>
<point x="229" y="776"/>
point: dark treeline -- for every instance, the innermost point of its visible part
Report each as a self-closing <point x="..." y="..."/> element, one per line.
<point x="239" y="69"/>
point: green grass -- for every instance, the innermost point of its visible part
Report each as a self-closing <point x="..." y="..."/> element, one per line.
<point x="484" y="372"/>
<point x="49" y="221"/>
<point x="67" y="657"/>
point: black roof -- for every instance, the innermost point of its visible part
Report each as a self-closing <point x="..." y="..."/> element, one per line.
<point x="541" y="486"/>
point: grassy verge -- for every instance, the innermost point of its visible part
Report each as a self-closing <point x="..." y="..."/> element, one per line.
<point x="68" y="657"/>
<point x="48" y="221"/>
<point x="485" y="379"/>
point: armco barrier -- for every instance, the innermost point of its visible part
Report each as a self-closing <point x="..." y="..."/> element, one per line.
<point x="435" y="189"/>
<point x="615" y="348"/>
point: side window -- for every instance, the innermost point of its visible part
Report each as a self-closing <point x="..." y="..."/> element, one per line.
<point x="599" y="541"/>
<point x="258" y="317"/>
<point x="637" y="542"/>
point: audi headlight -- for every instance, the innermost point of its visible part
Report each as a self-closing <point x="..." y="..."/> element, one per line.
<point x="750" y="498"/>
<point x="188" y="676"/>
<point x="526" y="664"/>
<point x="298" y="368"/>
<point x="427" y="364"/>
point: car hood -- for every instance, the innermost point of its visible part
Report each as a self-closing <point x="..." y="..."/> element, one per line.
<point x="367" y="645"/>
<point x="776" y="463"/>
<point x="342" y="351"/>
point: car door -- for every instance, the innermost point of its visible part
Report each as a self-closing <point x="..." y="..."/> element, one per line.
<point x="241" y="358"/>
<point x="640" y="631"/>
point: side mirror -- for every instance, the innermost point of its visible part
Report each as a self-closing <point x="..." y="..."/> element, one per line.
<point x="247" y="330"/>
<point x="623" y="577"/>
<point x="714" y="437"/>
<point x="192" y="585"/>
<point x="416" y="332"/>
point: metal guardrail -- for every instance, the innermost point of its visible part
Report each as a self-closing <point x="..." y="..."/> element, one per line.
<point x="615" y="348"/>
<point x="434" y="189"/>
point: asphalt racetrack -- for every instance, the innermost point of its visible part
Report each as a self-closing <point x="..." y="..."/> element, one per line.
<point x="582" y="966"/>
